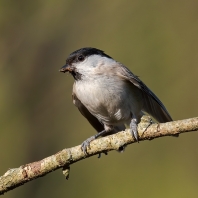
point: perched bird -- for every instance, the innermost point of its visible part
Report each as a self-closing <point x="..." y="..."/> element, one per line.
<point x="109" y="95"/>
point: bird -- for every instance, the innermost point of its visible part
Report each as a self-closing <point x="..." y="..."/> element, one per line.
<point x="109" y="95"/>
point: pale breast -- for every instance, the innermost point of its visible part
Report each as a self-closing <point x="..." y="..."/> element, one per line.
<point x="109" y="99"/>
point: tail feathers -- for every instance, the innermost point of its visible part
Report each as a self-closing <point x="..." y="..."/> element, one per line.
<point x="158" y="111"/>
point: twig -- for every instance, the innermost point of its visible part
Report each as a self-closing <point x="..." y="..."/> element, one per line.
<point x="63" y="159"/>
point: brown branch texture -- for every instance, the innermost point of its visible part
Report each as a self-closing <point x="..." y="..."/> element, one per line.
<point x="63" y="159"/>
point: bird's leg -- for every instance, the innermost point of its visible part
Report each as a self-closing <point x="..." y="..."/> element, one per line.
<point x="146" y="121"/>
<point x="133" y="128"/>
<point x="86" y="143"/>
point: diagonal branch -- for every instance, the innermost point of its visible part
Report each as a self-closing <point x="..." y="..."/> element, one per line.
<point x="63" y="159"/>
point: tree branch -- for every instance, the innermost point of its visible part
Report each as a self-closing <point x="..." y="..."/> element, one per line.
<point x="63" y="159"/>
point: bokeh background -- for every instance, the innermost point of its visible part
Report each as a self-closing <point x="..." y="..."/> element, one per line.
<point x="157" y="40"/>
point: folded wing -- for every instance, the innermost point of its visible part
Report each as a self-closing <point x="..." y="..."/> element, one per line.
<point x="152" y="104"/>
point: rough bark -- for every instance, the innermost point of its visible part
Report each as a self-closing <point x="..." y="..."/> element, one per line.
<point x="63" y="159"/>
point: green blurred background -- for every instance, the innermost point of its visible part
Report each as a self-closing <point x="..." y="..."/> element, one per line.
<point x="157" y="40"/>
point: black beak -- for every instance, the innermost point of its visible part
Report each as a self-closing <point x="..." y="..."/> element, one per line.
<point x="65" y="68"/>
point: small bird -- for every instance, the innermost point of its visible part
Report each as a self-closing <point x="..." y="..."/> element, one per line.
<point x="109" y="95"/>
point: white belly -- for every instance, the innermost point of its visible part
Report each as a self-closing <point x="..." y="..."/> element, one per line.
<point x="112" y="101"/>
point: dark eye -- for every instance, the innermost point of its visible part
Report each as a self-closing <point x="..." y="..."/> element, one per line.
<point x="81" y="58"/>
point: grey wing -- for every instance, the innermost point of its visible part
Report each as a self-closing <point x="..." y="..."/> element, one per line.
<point x="84" y="111"/>
<point x="152" y="105"/>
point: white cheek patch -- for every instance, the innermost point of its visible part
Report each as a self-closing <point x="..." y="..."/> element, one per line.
<point x="92" y="62"/>
<point x="86" y="67"/>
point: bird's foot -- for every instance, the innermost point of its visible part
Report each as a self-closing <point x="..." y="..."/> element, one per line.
<point x="100" y="154"/>
<point x="133" y="129"/>
<point x="145" y="122"/>
<point x="86" y="144"/>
